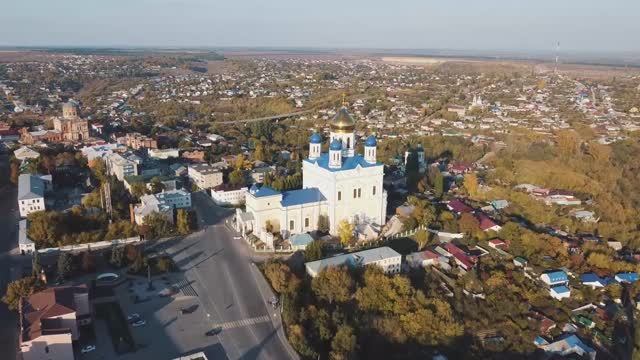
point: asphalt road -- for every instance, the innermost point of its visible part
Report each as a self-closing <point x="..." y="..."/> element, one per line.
<point x="219" y="268"/>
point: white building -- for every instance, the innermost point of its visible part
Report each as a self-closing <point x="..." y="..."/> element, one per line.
<point x="340" y="184"/>
<point x="162" y="203"/>
<point x="385" y="257"/>
<point x="204" y="176"/>
<point x="101" y="151"/>
<point x="31" y="192"/>
<point x="121" y="166"/>
<point x="25" y="153"/>
<point x="163" y="153"/>
<point x="25" y="244"/>
<point x="223" y="195"/>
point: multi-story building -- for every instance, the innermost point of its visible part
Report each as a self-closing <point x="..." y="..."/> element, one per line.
<point x="70" y="125"/>
<point x="49" y="322"/>
<point x="385" y="257"/>
<point x="31" y="137"/>
<point x="228" y="195"/>
<point x="31" y="193"/>
<point x="122" y="166"/>
<point x="138" y="141"/>
<point x="204" y="176"/>
<point x="162" y="203"/>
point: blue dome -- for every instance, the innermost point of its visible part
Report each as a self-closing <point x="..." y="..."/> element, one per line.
<point x="335" y="145"/>
<point x="371" y="141"/>
<point x="315" y="138"/>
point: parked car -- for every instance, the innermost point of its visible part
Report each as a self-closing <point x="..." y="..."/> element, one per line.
<point x="134" y="316"/>
<point x="139" y="323"/>
<point x="88" y="348"/>
<point x="214" y="331"/>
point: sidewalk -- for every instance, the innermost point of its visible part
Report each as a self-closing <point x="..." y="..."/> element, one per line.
<point x="276" y="318"/>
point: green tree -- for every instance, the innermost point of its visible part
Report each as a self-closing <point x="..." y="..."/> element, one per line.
<point x="333" y="284"/>
<point x="183" y="222"/>
<point x="313" y="251"/>
<point x="345" y="232"/>
<point x="20" y="288"/>
<point x="65" y="265"/>
<point x="138" y="189"/>
<point x="282" y="280"/>
<point x="156" y="226"/>
<point x="323" y="224"/>
<point x="156" y="185"/>
<point x="236" y="177"/>
<point x="344" y="343"/>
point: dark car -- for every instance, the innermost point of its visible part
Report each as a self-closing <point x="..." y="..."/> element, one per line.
<point x="214" y="331"/>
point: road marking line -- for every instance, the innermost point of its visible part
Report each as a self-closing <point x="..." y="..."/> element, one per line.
<point x="244" y="322"/>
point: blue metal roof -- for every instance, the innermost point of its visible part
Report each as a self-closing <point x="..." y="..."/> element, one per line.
<point x="335" y="145"/>
<point x="627" y="277"/>
<point x="560" y="289"/>
<point x="348" y="163"/>
<point x="557" y="276"/>
<point x="301" y="239"/>
<point x="315" y="138"/>
<point x="263" y="191"/>
<point x="371" y="141"/>
<point x="302" y="196"/>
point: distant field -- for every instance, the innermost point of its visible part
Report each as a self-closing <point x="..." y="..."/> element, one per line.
<point x="418" y="60"/>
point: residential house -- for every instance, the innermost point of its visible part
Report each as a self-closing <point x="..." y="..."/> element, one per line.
<point x="31" y="193"/>
<point x="196" y="156"/>
<point x="595" y="281"/>
<point x="422" y="259"/>
<point x="25" y="153"/>
<point x="225" y="194"/>
<point x="162" y="203"/>
<point x="49" y="322"/>
<point x="568" y="344"/>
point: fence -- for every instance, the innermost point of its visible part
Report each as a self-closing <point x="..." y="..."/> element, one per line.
<point x="93" y="246"/>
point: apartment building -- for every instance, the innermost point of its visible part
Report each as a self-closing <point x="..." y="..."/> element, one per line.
<point x="204" y="176"/>
<point x="31" y="193"/>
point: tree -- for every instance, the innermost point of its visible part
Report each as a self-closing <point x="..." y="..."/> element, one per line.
<point x="164" y="264"/>
<point x="20" y="288"/>
<point x="183" y="221"/>
<point x="299" y="342"/>
<point x="343" y="344"/>
<point x="157" y="225"/>
<point x="281" y="278"/>
<point x="568" y="142"/>
<point x="471" y="184"/>
<point x="117" y="256"/>
<point x="333" y="284"/>
<point x="236" y="177"/>
<point x="422" y="238"/>
<point x="468" y="223"/>
<point x="138" y="189"/>
<point x="258" y="154"/>
<point x="345" y="232"/>
<point x="65" y="265"/>
<point x="156" y="185"/>
<point x="36" y="266"/>
<point x="139" y="264"/>
<point x="323" y="224"/>
<point x="313" y="251"/>
<point x="99" y="169"/>
<point x="412" y="169"/>
<point x="14" y="172"/>
<point x="438" y="183"/>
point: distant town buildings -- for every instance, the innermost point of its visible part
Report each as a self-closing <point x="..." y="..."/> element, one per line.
<point x="163" y="203"/>
<point x="138" y="141"/>
<point x="122" y="166"/>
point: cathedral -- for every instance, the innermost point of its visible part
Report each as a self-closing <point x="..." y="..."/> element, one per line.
<point x="339" y="184"/>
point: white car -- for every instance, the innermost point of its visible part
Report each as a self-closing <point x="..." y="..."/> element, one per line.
<point x="88" y="348"/>
<point x="139" y="323"/>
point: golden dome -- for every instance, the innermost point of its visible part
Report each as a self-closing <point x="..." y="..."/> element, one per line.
<point x="343" y="122"/>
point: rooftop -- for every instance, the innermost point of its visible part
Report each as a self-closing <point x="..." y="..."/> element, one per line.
<point x="359" y="258"/>
<point x="348" y="163"/>
<point x="30" y="186"/>
<point x="302" y="196"/>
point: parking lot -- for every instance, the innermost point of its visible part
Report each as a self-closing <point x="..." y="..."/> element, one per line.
<point x="167" y="332"/>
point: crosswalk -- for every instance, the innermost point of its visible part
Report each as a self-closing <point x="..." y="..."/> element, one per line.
<point x="245" y="322"/>
<point x="185" y="287"/>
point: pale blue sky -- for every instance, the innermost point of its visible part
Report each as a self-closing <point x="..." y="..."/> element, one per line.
<point x="589" y="25"/>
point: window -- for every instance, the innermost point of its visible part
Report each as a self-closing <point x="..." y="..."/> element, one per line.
<point x="374" y="190"/>
<point x="359" y="193"/>
<point x="291" y="225"/>
<point x="306" y="222"/>
<point x="339" y="195"/>
<point x="354" y="193"/>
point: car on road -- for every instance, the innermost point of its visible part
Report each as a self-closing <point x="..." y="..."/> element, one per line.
<point x="88" y="348"/>
<point x="213" y="332"/>
<point x="139" y="323"/>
